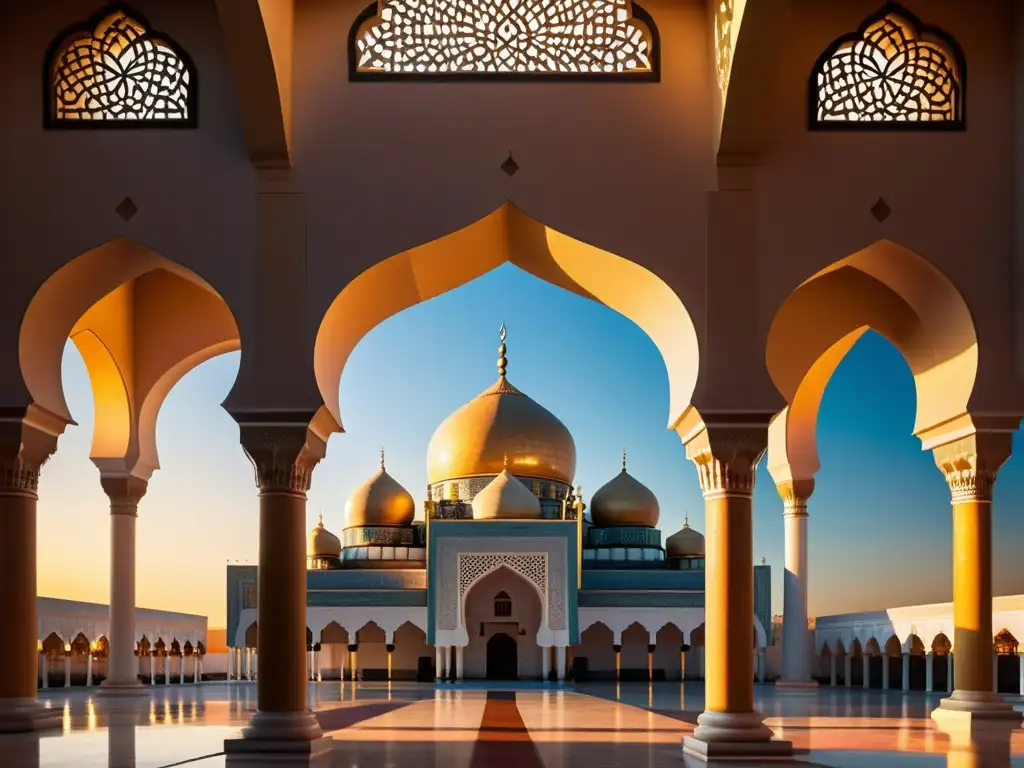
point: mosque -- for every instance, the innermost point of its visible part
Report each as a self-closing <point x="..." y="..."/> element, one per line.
<point x="507" y="576"/>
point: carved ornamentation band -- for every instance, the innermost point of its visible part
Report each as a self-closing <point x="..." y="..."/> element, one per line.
<point x="283" y="456"/>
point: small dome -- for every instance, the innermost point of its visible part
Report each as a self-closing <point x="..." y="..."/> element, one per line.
<point x="323" y="543"/>
<point x="380" y="501"/>
<point x="624" y="500"/>
<point x="685" y="542"/>
<point x="505" y="498"/>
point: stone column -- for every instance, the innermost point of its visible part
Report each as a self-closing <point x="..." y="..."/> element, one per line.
<point x="353" y="653"/>
<point x="905" y="670"/>
<point x="284" y="455"/>
<point x="726" y="455"/>
<point x="88" y="670"/>
<point x="885" y="671"/>
<point x="929" y="672"/>
<point x="832" y="669"/>
<point x="459" y="649"/>
<point x="124" y="493"/>
<point x="848" y="669"/>
<point x="796" y="651"/>
<point x="970" y="465"/>
<point x="865" y="670"/>
<point x="390" y="648"/>
<point x="27" y="439"/>
<point x="438" y="665"/>
<point x="545" y="663"/>
<point x="560" y="663"/>
<point x="152" y="667"/>
<point x="618" y="660"/>
<point x="650" y="662"/>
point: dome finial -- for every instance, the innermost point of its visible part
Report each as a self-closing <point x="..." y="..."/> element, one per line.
<point x="321" y="519"/>
<point x="504" y="460"/>
<point x="502" y="360"/>
<point x="382" y="458"/>
<point x="686" y="519"/>
<point x="623" y="458"/>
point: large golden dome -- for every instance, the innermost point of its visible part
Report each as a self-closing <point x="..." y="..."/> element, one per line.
<point x="379" y="501"/>
<point x="624" y="500"/>
<point x="501" y="421"/>
<point x="505" y="498"/>
<point x="322" y="543"/>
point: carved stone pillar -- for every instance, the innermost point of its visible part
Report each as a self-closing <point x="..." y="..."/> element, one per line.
<point x="28" y="437"/>
<point x="796" y="652"/>
<point x="284" y="455"/>
<point x="124" y="493"/>
<point x="970" y="465"/>
<point x="726" y="455"/>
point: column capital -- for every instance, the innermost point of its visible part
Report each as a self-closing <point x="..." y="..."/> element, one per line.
<point x="794" y="494"/>
<point x="284" y="448"/>
<point x="970" y="463"/>
<point x="726" y="450"/>
<point x="28" y="437"/>
<point x="125" y="492"/>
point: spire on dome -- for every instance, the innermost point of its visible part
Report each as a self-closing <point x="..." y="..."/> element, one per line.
<point x="321" y="519"/>
<point x="502" y="360"/>
<point x="686" y="519"/>
<point x="382" y="458"/>
<point x="504" y="467"/>
<point x="623" y="458"/>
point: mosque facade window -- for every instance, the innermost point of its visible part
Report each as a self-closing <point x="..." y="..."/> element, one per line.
<point x="894" y="72"/>
<point x="496" y="40"/>
<point x="115" y="71"/>
<point x="502" y="605"/>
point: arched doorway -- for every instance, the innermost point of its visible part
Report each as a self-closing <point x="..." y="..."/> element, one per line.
<point x="502" y="657"/>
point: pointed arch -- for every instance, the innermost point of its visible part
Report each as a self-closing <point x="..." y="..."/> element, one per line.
<point x="140" y="322"/>
<point x="507" y="235"/>
<point x="897" y="293"/>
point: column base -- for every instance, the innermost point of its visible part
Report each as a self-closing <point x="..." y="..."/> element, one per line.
<point x="731" y="736"/>
<point x="26" y="715"/>
<point x="965" y="707"/>
<point x="280" y="738"/>
<point x="128" y="688"/>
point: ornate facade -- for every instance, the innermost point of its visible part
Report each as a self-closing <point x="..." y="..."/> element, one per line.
<point x="488" y="532"/>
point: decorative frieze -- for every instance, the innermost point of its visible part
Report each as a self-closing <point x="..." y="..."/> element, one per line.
<point x="971" y="463"/>
<point x="794" y="494"/>
<point x="726" y="456"/>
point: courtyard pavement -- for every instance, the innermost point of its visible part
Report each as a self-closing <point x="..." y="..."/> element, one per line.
<point x="406" y="725"/>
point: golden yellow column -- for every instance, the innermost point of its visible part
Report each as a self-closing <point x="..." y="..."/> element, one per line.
<point x="726" y="452"/>
<point x="284" y="456"/>
<point x="970" y="465"/>
<point x="26" y="442"/>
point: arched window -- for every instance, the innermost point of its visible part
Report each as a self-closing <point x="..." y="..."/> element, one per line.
<point x="115" y="71"/>
<point x="502" y="605"/>
<point x="502" y="40"/>
<point x="893" y="73"/>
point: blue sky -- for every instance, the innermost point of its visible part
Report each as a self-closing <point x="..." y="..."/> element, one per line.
<point x="880" y="521"/>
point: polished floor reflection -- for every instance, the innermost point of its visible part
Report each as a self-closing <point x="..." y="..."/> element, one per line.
<point x="478" y="726"/>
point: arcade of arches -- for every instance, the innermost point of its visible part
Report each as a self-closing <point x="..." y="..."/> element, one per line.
<point x="754" y="206"/>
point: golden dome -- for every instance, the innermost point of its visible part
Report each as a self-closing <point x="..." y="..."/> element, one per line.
<point x="323" y="543"/>
<point x="505" y="498"/>
<point x="685" y="542"/>
<point x="501" y="421"/>
<point x="624" y="500"/>
<point x="379" y="501"/>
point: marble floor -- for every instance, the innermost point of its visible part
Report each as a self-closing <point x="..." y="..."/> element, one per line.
<point x="374" y="725"/>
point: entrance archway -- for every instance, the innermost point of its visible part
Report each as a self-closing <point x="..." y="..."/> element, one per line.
<point x="502" y="657"/>
<point x="519" y="622"/>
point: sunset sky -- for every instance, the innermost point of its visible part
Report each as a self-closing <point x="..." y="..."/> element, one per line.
<point x="880" y="521"/>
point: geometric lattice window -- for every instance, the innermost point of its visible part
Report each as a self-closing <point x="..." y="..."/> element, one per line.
<point x="114" y="71"/>
<point x="893" y="73"/>
<point x="503" y="40"/>
<point x="502" y="605"/>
